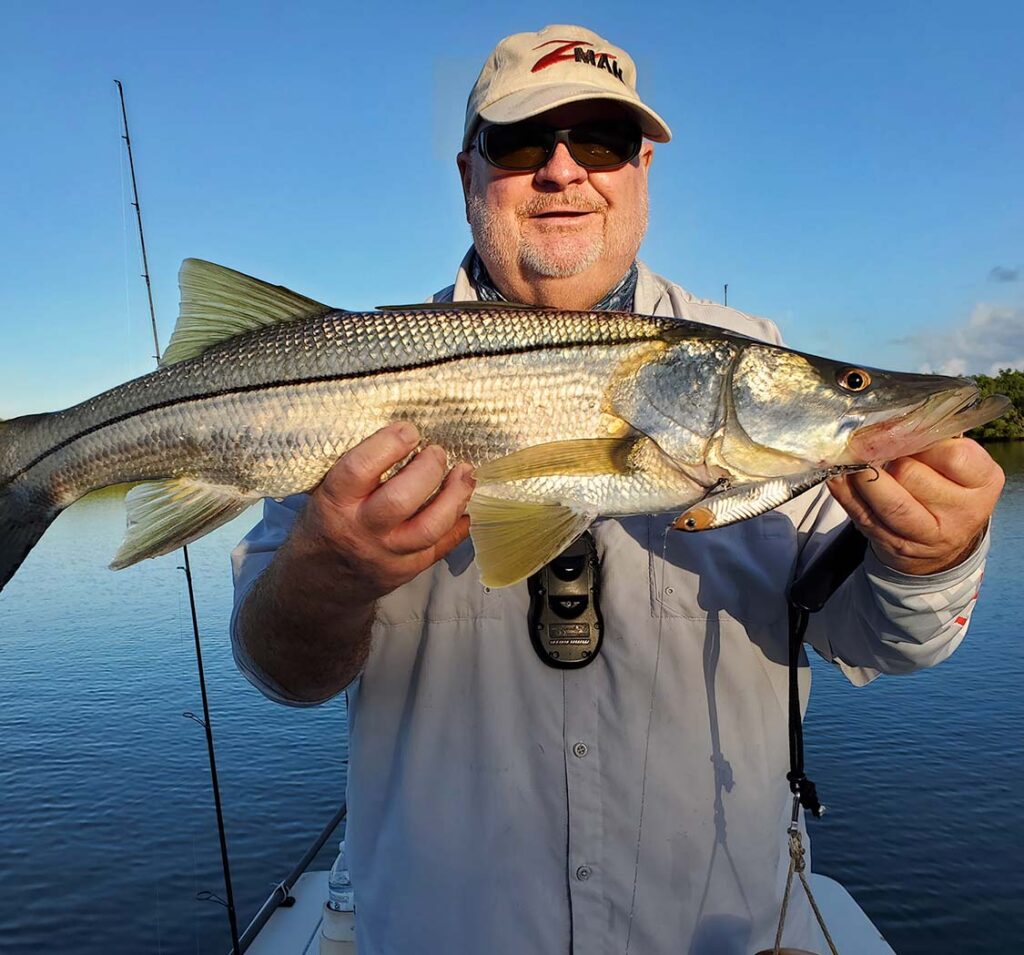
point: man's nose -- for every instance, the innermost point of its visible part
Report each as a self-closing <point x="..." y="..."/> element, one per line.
<point x="561" y="169"/>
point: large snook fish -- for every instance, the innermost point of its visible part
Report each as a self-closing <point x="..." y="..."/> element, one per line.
<point x="565" y="415"/>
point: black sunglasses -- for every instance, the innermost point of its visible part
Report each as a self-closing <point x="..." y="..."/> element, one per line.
<point x="528" y="146"/>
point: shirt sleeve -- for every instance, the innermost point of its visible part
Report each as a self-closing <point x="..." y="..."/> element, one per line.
<point x="881" y="620"/>
<point x="249" y="559"/>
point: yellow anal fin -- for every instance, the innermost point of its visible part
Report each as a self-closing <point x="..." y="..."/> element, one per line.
<point x="164" y="515"/>
<point x="513" y="539"/>
<point x="577" y="457"/>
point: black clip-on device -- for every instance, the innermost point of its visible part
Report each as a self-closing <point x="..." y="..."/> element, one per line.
<point x="565" y="615"/>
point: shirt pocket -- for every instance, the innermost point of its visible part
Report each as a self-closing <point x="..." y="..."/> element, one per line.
<point x="742" y="570"/>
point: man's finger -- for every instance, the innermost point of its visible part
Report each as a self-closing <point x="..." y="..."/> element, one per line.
<point x="930" y="487"/>
<point x="962" y="461"/>
<point x="453" y="538"/>
<point x="435" y="521"/>
<point x="398" y="498"/>
<point x="853" y="504"/>
<point x="357" y="472"/>
<point x="882" y="508"/>
<point x="893" y="506"/>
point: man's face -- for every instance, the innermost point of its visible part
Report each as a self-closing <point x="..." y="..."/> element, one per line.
<point x="562" y="220"/>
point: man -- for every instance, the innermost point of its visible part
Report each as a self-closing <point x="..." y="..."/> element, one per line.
<point x="497" y="805"/>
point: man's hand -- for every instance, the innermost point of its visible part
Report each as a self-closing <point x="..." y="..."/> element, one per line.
<point x="306" y="622"/>
<point x="383" y="535"/>
<point x="924" y="513"/>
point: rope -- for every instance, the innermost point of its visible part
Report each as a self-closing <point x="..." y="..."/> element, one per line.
<point x="797" y="864"/>
<point x="804" y="792"/>
<point x="785" y="909"/>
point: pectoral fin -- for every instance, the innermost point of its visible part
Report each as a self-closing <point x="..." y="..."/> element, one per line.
<point x="731" y="504"/>
<point x="512" y="539"/>
<point x="578" y="457"/>
<point x="164" y="515"/>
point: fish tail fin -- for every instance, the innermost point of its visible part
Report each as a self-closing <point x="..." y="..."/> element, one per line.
<point x="26" y="509"/>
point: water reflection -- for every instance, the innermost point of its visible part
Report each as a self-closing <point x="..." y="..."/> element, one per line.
<point x="108" y="823"/>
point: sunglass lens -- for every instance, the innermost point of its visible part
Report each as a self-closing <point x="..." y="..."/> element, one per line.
<point x="517" y="146"/>
<point x="526" y="146"/>
<point x="603" y="145"/>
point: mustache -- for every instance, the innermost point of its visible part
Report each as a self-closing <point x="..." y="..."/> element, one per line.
<point x="539" y="205"/>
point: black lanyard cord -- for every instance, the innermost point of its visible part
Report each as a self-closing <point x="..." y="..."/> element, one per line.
<point x="808" y="595"/>
<point x="799" y="784"/>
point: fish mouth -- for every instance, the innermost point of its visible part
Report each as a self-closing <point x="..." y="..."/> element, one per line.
<point x="947" y="414"/>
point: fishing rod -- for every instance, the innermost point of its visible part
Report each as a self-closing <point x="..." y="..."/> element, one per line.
<point x="206" y="721"/>
<point x="138" y="219"/>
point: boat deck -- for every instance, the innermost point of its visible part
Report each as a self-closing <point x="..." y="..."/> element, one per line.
<point x="296" y="930"/>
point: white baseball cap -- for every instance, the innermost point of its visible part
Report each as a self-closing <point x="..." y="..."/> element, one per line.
<point x="530" y="73"/>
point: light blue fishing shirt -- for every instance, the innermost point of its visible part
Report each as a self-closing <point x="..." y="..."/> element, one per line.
<point x="639" y="805"/>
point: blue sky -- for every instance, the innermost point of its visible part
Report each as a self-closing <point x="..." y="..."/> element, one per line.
<point x="851" y="170"/>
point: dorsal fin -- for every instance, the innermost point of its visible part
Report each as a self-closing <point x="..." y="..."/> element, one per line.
<point x="476" y="306"/>
<point x="218" y="303"/>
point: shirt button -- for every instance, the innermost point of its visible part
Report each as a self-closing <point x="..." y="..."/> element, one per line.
<point x="583" y="873"/>
<point x="580" y="749"/>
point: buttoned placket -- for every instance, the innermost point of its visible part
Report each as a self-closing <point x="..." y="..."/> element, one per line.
<point x="581" y="748"/>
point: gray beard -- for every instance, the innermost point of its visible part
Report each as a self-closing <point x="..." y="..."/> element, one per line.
<point x="506" y="254"/>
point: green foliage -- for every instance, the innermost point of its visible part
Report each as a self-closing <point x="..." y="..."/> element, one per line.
<point x="1010" y="427"/>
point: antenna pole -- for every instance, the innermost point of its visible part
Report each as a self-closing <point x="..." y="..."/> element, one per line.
<point x="725" y="293"/>
<point x="207" y="723"/>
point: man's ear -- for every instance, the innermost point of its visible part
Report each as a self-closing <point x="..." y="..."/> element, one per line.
<point x="464" y="160"/>
<point x="646" y="154"/>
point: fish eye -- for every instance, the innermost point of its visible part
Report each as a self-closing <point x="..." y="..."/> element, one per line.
<point x="853" y="379"/>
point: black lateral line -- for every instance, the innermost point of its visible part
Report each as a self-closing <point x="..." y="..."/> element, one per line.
<point x="319" y="379"/>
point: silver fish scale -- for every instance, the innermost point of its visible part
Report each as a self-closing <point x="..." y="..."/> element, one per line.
<point x="343" y="344"/>
<point x="346" y="344"/>
<point x="475" y="399"/>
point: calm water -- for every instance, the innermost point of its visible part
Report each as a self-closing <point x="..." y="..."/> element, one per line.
<point x="106" y="818"/>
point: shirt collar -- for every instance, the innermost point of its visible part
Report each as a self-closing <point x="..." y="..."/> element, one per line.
<point x="619" y="299"/>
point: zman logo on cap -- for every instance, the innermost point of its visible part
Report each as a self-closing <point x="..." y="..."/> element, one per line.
<point x="562" y="54"/>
